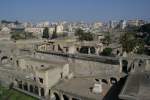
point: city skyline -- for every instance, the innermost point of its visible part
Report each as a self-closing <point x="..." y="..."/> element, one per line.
<point x="77" y="10"/>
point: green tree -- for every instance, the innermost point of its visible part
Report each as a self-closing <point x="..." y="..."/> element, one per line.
<point x="107" y="38"/>
<point x="132" y="28"/>
<point x="107" y="52"/>
<point x="139" y="46"/>
<point x="17" y="35"/>
<point x="145" y="28"/>
<point x="45" y="33"/>
<point x="79" y="32"/>
<point x="54" y="35"/>
<point x="130" y="42"/>
<point x="87" y="36"/>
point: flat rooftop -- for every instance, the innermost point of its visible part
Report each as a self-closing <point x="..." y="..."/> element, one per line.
<point x="137" y="87"/>
<point x="81" y="87"/>
<point x="50" y="64"/>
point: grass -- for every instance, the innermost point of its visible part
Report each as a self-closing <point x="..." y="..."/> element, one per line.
<point x="7" y="94"/>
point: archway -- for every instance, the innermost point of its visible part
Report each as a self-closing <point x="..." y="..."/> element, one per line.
<point x="92" y="50"/>
<point x="65" y="97"/>
<point x="140" y="63"/>
<point x="20" y="84"/>
<point x="84" y="49"/>
<point x="25" y="86"/>
<point x="56" y="96"/>
<point x="4" y="59"/>
<point x="125" y="66"/>
<point x="31" y="88"/>
<point x="113" y="80"/>
<point x="105" y="81"/>
<point x="78" y="49"/>
<point x="42" y="91"/>
<point x="36" y="90"/>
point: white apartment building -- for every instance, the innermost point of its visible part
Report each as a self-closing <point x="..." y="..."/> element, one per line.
<point x="59" y="28"/>
<point x="43" y="24"/>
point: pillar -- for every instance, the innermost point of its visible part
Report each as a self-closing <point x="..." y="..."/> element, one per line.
<point x="46" y="91"/>
<point x="109" y="83"/>
<point x="70" y="98"/>
<point x="61" y="96"/>
<point x="28" y="85"/>
<point x="97" y="51"/>
<point x="51" y="95"/>
<point x="89" y="51"/>
<point x="39" y="91"/>
<point x="120" y="62"/>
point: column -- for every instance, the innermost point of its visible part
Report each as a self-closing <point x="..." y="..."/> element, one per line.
<point x="61" y="96"/>
<point x="47" y="93"/>
<point x="89" y="51"/>
<point x="28" y="86"/>
<point x="97" y="51"/>
<point x="70" y="98"/>
<point x="120" y="62"/>
<point x="39" y="91"/>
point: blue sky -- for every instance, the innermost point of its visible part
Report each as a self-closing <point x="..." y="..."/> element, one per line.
<point x="73" y="10"/>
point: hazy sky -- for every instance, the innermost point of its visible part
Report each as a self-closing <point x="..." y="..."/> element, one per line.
<point x="73" y="10"/>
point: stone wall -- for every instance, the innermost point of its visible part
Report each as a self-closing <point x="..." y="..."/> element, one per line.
<point x="147" y="65"/>
<point x="85" y="68"/>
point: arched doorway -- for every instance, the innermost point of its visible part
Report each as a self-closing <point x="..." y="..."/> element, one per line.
<point x="20" y="84"/>
<point x="36" y="90"/>
<point x="56" y="96"/>
<point x="140" y="62"/>
<point x="105" y="81"/>
<point x="65" y="97"/>
<point x="25" y="86"/>
<point x="113" y="80"/>
<point x="125" y="66"/>
<point x="4" y="59"/>
<point x="31" y="88"/>
<point x="84" y="49"/>
<point x="92" y="50"/>
<point x="42" y="91"/>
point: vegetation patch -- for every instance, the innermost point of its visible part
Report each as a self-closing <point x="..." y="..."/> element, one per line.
<point x="11" y="94"/>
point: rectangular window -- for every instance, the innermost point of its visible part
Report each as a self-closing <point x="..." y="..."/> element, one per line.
<point x="41" y="80"/>
<point x="34" y="78"/>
